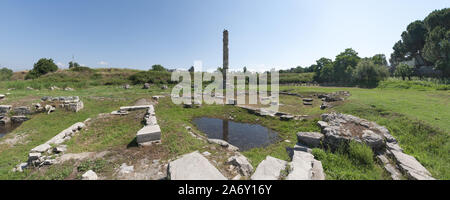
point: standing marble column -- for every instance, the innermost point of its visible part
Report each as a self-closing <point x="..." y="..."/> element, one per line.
<point x="225" y="58"/>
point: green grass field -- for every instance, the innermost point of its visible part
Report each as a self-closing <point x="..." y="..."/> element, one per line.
<point x="418" y="118"/>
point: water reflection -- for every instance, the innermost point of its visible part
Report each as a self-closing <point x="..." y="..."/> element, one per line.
<point x="243" y="135"/>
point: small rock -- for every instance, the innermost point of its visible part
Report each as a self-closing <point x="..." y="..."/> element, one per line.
<point x="125" y="169"/>
<point x="307" y="99"/>
<point x="89" y="175"/>
<point x="60" y="149"/>
<point x="242" y="163"/>
<point x="146" y="86"/>
<point x="206" y="153"/>
<point x="286" y="117"/>
<point x="20" y="167"/>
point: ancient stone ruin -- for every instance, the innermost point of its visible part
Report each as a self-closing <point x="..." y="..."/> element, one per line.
<point x="70" y="103"/>
<point x="341" y="128"/>
<point x="151" y="132"/>
<point x="46" y="154"/>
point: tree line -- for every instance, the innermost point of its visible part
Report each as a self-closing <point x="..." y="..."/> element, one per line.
<point x="347" y="69"/>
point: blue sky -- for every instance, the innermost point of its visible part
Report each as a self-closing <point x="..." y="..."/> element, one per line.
<point x="137" y="34"/>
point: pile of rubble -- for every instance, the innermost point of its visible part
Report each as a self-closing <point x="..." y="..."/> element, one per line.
<point x="267" y="112"/>
<point x="19" y="114"/>
<point x="71" y="103"/>
<point x="46" y="154"/>
<point x="341" y="128"/>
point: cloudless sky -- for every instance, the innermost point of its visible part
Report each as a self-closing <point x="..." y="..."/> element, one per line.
<point x="262" y="33"/>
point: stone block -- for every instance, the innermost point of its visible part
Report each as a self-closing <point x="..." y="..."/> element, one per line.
<point x="148" y="133"/>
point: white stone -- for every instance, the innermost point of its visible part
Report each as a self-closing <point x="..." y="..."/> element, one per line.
<point x="151" y="120"/>
<point x="242" y="163"/>
<point x="33" y="156"/>
<point x="317" y="170"/>
<point x="41" y="148"/>
<point x="131" y="108"/>
<point x="301" y="166"/>
<point x="269" y="169"/>
<point x="148" y="133"/>
<point x="89" y="175"/>
<point x="312" y="139"/>
<point x="193" y="166"/>
<point x="60" y="149"/>
<point x="411" y="167"/>
<point x="125" y="169"/>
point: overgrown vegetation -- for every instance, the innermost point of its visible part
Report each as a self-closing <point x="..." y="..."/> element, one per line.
<point x="43" y="66"/>
<point x="5" y="74"/>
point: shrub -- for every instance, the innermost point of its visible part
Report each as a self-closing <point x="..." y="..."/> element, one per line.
<point x="368" y="74"/>
<point x="5" y="74"/>
<point x="151" y="77"/>
<point x="158" y="68"/>
<point x="403" y="70"/>
<point x="43" y="66"/>
<point x="360" y="153"/>
<point x="80" y="69"/>
<point x="296" y="77"/>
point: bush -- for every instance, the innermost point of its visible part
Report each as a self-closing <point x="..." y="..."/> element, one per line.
<point x="151" y="77"/>
<point x="368" y="74"/>
<point x="158" y="68"/>
<point x="296" y="77"/>
<point x="81" y="69"/>
<point x="360" y="153"/>
<point x="5" y="74"/>
<point x="416" y="83"/>
<point x="43" y="66"/>
<point x="403" y="70"/>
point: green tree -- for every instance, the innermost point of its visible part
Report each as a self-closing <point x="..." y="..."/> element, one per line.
<point x="158" y="68"/>
<point x="327" y="73"/>
<point x="317" y="68"/>
<point x="5" y="74"/>
<point x="437" y="46"/>
<point x="244" y="69"/>
<point x="403" y="70"/>
<point x="368" y="73"/>
<point x="344" y="64"/>
<point x="399" y="53"/>
<point x="43" y="66"/>
<point x="414" y="38"/>
<point x="73" y="64"/>
<point x="379" y="59"/>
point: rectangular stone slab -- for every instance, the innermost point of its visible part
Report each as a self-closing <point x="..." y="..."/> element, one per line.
<point x="193" y="166"/>
<point x="131" y="108"/>
<point x="148" y="133"/>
